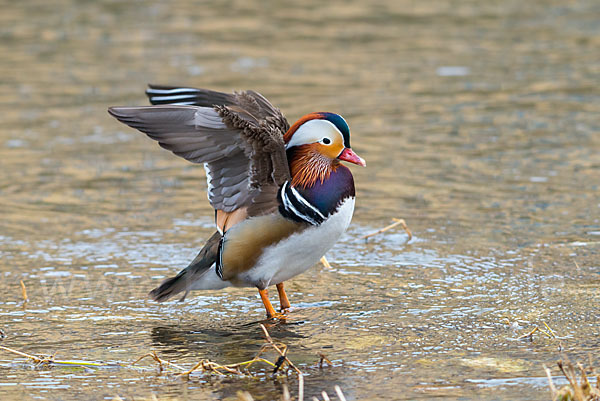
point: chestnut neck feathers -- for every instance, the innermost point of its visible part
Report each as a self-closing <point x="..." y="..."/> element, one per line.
<point x="308" y="166"/>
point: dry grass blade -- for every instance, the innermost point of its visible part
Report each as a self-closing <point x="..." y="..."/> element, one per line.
<point x="24" y="292"/>
<point x="576" y="390"/>
<point x="339" y="393"/>
<point x="50" y="359"/>
<point x="283" y="354"/>
<point x="234" y="368"/>
<point x="279" y="350"/>
<point x="161" y="363"/>
<point x="34" y="358"/>
<point x="38" y="360"/>
<point x="569" y="372"/>
<point x="530" y="334"/>
<point x="552" y="332"/>
<point x="397" y="222"/>
<point x="553" y="390"/>
<point x="323" y="358"/>
<point x="300" y="387"/>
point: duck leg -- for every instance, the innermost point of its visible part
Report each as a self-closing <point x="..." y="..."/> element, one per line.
<point x="264" y="296"/>
<point x="283" y="299"/>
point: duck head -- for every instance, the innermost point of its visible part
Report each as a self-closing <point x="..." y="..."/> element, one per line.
<point x="315" y="145"/>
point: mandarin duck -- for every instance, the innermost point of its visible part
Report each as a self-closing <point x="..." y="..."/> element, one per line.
<point x="281" y="196"/>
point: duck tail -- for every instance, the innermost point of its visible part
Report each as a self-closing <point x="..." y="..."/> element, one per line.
<point x="186" y="278"/>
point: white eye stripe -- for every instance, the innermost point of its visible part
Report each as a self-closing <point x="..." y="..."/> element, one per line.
<point x="314" y="131"/>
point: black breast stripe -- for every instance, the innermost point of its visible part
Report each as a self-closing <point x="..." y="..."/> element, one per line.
<point x="294" y="206"/>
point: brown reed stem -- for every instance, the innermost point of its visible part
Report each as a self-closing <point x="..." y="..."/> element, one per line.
<point x="397" y="222"/>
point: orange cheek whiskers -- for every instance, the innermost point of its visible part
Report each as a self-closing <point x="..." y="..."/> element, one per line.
<point x="310" y="166"/>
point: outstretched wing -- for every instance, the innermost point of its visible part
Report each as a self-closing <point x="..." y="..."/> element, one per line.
<point x="249" y="101"/>
<point x="239" y="139"/>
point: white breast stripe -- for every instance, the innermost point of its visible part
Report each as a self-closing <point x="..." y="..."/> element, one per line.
<point x="306" y="203"/>
<point x="287" y="204"/>
<point x="282" y="190"/>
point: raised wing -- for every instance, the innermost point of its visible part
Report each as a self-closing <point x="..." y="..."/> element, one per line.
<point x="247" y="102"/>
<point x="239" y="139"/>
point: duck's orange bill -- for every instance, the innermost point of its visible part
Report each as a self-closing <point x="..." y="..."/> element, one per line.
<point x="349" y="156"/>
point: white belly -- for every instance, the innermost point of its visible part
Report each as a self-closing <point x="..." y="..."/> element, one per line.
<point x="296" y="254"/>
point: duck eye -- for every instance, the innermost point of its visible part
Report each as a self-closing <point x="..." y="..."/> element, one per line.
<point x="326" y="141"/>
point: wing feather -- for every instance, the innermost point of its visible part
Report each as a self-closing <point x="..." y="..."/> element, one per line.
<point x="238" y="137"/>
<point x="161" y="94"/>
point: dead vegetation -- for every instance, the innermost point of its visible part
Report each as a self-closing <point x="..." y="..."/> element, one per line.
<point x="396" y="222"/>
<point x="167" y="367"/>
<point x="40" y="360"/>
<point x="205" y="366"/>
<point x="24" y="292"/>
<point x="578" y="389"/>
<point x="325" y="262"/>
<point x="548" y="332"/>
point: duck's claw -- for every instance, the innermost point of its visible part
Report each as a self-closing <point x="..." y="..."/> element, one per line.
<point x="278" y="316"/>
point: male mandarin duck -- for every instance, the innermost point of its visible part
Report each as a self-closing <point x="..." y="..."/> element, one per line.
<point x="281" y="196"/>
